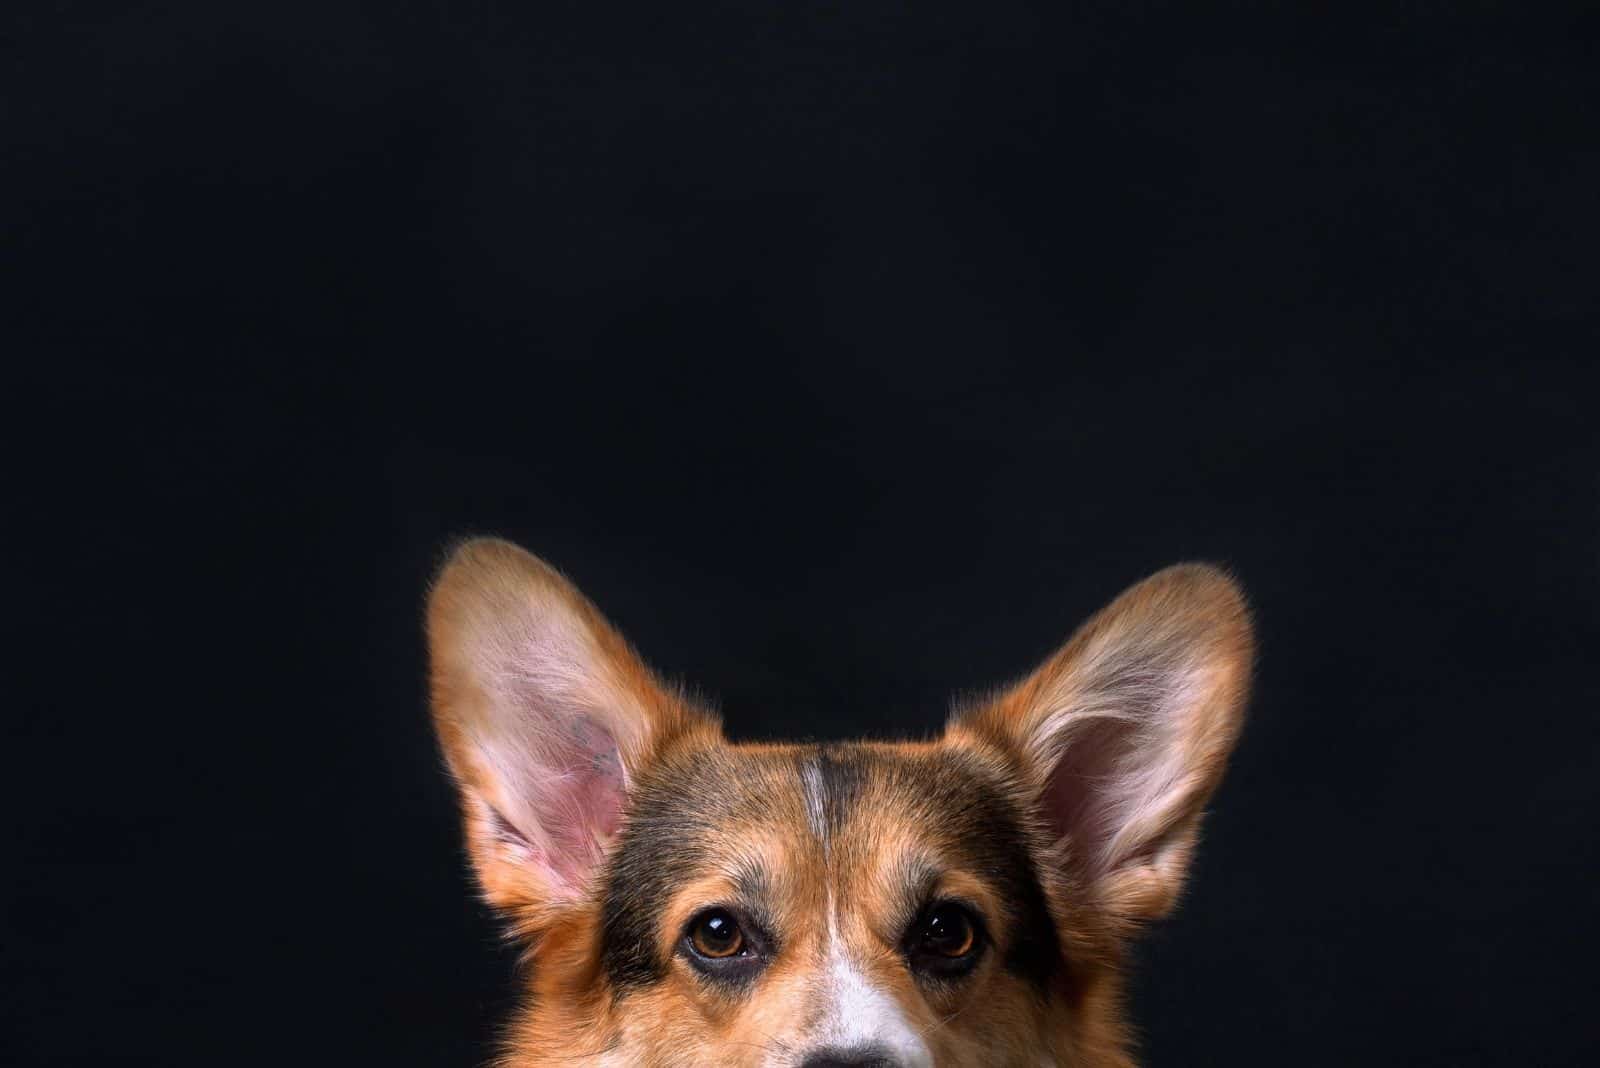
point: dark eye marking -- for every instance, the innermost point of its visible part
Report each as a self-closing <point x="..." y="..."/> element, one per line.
<point x="945" y="941"/>
<point x="724" y="946"/>
<point x="985" y="832"/>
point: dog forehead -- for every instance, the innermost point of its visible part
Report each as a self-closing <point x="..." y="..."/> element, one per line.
<point x="804" y="817"/>
<point x="822" y="792"/>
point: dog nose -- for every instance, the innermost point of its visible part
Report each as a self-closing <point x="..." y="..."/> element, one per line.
<point x="855" y="1057"/>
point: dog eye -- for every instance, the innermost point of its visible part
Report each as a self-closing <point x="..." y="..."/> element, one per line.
<point x="945" y="942"/>
<point x="948" y="931"/>
<point x="715" y="934"/>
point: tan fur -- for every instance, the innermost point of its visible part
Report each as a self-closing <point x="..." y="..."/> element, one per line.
<point x="1154" y="686"/>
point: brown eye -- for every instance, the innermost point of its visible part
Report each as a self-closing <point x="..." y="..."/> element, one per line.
<point x="715" y="934"/>
<point x="948" y="931"/>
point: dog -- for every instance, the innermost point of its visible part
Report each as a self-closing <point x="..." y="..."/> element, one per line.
<point x="967" y="900"/>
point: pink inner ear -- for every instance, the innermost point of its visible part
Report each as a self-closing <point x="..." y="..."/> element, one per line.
<point x="581" y="799"/>
<point x="1082" y="798"/>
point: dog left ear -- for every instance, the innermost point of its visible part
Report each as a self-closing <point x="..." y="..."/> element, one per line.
<point x="545" y="716"/>
<point x="1125" y="732"/>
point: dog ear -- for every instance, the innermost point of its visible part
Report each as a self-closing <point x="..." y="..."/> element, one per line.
<point x="1123" y="734"/>
<point x="545" y="717"/>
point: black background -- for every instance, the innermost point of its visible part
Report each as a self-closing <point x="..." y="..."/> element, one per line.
<point x="847" y="355"/>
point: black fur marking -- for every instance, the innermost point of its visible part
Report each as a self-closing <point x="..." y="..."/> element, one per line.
<point x="674" y="817"/>
<point x="981" y="827"/>
<point x="842" y="773"/>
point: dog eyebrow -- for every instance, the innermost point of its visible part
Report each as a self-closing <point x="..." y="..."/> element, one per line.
<point x="914" y="879"/>
<point x="751" y="879"/>
<point x="753" y="892"/>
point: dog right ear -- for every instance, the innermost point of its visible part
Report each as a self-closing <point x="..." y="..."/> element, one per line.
<point x="1124" y="733"/>
<point x="545" y="716"/>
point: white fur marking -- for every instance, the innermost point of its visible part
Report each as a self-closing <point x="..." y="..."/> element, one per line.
<point x="816" y="814"/>
<point x="858" y="1014"/>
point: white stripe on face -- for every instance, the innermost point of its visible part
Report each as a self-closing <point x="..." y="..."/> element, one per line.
<point x="816" y="814"/>
<point x="858" y="1014"/>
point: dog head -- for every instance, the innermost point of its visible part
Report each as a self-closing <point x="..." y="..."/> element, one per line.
<point x="961" y="901"/>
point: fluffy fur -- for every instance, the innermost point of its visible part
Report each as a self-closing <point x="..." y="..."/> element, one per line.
<point x="605" y="814"/>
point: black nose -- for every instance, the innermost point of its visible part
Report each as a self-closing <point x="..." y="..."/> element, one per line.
<point x="855" y="1057"/>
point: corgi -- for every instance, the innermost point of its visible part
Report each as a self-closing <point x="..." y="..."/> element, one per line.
<point x="966" y="900"/>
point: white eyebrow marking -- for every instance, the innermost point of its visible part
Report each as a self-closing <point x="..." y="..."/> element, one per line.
<point x="813" y="788"/>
